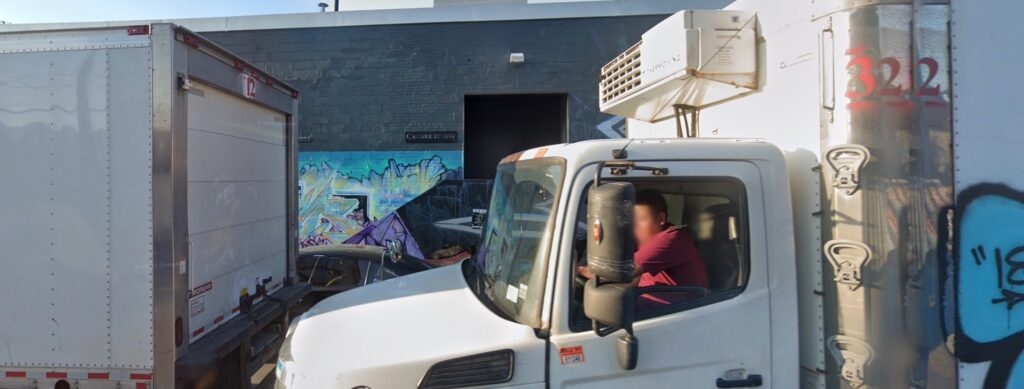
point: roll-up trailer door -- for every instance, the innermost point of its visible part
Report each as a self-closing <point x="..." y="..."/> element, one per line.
<point x="237" y="154"/>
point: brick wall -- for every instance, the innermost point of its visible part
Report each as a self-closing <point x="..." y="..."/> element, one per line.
<point x="364" y="86"/>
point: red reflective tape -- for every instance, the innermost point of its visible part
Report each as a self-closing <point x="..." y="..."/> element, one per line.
<point x="56" y="375"/>
<point x="140" y="377"/>
<point x="235" y="309"/>
<point x="238" y="65"/>
<point x="198" y="331"/>
<point x="218" y="319"/>
<point x="512" y="157"/>
<point x="16" y="374"/>
<point x="295" y="94"/>
<point x="141" y="385"/>
<point x="98" y="376"/>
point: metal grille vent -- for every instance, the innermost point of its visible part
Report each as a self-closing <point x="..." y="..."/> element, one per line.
<point x="621" y="75"/>
<point x="494" y="367"/>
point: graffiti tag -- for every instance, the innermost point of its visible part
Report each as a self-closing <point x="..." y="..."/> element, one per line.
<point x="989" y="260"/>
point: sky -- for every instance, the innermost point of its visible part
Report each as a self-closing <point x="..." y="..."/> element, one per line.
<point x="50" y="11"/>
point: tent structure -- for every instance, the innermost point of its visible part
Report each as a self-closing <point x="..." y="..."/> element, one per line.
<point x="388" y="227"/>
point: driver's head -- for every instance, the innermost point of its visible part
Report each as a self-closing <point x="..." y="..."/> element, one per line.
<point x="650" y="215"/>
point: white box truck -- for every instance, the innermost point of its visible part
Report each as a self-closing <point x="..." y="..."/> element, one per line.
<point x="847" y="170"/>
<point x="147" y="210"/>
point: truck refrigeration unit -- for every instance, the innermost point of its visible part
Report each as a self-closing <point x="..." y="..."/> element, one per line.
<point x="147" y="210"/>
<point x="847" y="170"/>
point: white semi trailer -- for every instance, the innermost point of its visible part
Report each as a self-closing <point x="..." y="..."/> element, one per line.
<point x="867" y="238"/>
<point x="147" y="210"/>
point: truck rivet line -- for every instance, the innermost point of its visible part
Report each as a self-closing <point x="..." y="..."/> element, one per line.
<point x="109" y="318"/>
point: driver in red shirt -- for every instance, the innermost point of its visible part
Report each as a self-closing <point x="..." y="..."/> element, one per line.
<point x="665" y="255"/>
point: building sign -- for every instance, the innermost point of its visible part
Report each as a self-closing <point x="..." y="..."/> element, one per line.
<point x="431" y="137"/>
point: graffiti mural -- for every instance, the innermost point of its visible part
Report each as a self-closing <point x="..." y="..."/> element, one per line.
<point x="341" y="193"/>
<point x="990" y="282"/>
<point x="390" y="227"/>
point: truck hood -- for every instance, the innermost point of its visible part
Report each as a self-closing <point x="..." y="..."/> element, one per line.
<point x="387" y="335"/>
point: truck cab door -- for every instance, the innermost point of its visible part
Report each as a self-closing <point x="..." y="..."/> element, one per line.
<point x="718" y="340"/>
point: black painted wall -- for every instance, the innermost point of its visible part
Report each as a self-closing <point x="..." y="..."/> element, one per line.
<point x="362" y="87"/>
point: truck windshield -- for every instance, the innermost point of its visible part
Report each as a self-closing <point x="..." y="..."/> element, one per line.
<point x="512" y="260"/>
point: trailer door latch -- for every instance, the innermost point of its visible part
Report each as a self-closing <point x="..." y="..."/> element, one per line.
<point x="846" y="162"/>
<point x="184" y="83"/>
<point x="853" y="356"/>
<point x="847" y="258"/>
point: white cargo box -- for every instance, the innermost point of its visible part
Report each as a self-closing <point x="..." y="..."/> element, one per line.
<point x="147" y="200"/>
<point x="693" y="59"/>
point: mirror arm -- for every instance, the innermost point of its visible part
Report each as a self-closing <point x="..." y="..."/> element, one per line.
<point x="605" y="331"/>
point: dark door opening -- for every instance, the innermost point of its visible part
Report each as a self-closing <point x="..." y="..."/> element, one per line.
<point x="499" y="125"/>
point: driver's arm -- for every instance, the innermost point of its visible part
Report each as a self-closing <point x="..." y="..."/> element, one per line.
<point x="636" y="276"/>
<point x="585" y="272"/>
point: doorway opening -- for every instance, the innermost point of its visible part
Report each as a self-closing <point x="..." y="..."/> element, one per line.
<point x="499" y="125"/>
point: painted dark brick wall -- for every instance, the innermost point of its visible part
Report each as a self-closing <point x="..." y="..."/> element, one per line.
<point x="364" y="86"/>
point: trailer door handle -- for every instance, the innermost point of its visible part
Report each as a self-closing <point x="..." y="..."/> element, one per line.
<point x="752" y="381"/>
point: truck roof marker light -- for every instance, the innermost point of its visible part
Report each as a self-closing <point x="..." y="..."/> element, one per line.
<point x="191" y="41"/>
<point x="541" y="153"/>
<point x="295" y="94"/>
<point x="138" y="30"/>
<point x="238" y="65"/>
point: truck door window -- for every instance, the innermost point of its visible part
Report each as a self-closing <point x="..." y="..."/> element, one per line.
<point x="711" y="212"/>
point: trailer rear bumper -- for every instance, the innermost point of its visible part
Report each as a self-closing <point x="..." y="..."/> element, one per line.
<point x="235" y="350"/>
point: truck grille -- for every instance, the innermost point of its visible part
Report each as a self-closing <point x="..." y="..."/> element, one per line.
<point x="621" y="75"/>
<point x="481" y="369"/>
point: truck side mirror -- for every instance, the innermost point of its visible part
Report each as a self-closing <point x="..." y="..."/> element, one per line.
<point x="608" y="297"/>
<point x="610" y="219"/>
<point x="610" y="304"/>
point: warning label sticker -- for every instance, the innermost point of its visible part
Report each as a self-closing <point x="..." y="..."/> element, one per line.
<point x="512" y="293"/>
<point x="196" y="306"/>
<point x="571" y="355"/>
<point x="200" y="289"/>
